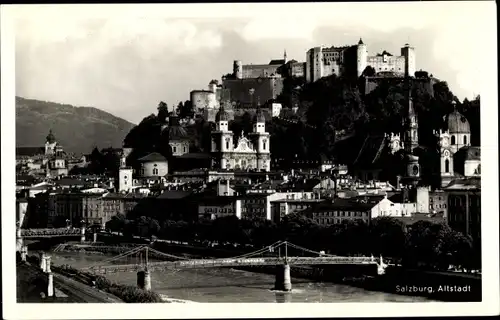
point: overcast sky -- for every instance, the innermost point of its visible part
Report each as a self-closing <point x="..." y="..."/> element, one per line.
<point x="125" y="59"/>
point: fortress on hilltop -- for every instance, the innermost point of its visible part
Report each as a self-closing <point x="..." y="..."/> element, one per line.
<point x="260" y="84"/>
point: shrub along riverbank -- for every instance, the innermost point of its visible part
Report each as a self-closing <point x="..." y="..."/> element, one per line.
<point x="129" y="294"/>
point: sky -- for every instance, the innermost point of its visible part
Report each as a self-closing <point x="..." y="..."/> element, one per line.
<point x="124" y="59"/>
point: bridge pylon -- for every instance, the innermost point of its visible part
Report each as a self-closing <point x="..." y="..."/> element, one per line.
<point x="144" y="276"/>
<point x="283" y="280"/>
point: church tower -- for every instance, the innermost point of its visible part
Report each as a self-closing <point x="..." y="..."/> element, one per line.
<point x="410" y="126"/>
<point x="284" y="57"/>
<point x="50" y="144"/>
<point x="222" y="140"/>
<point x="261" y="140"/>
<point x="125" y="180"/>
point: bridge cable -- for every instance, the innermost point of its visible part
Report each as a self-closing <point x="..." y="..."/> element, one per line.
<point x="167" y="255"/>
<point x="125" y="254"/>
<point x="309" y="250"/>
<point x="264" y="249"/>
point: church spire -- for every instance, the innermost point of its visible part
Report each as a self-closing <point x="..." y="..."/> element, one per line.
<point x="284" y="56"/>
<point x="411" y="127"/>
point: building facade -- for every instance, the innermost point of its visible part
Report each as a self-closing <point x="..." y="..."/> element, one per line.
<point x="249" y="153"/>
<point x="353" y="60"/>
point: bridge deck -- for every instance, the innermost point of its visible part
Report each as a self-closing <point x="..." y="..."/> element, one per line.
<point x="214" y="263"/>
<point x="45" y="233"/>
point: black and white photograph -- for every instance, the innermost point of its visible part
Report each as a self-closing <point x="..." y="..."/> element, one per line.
<point x="249" y="155"/>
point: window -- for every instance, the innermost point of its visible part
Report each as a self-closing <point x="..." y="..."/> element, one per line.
<point x="465" y="139"/>
<point x="185" y="149"/>
<point x="227" y="144"/>
<point x="155" y="171"/>
<point x="447" y="166"/>
<point x="264" y="143"/>
<point x="174" y="149"/>
<point x="452" y="140"/>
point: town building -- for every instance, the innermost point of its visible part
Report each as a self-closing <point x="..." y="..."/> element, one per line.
<point x="464" y="206"/>
<point x="153" y="165"/>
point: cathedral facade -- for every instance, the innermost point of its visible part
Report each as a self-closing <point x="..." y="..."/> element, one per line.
<point x="246" y="153"/>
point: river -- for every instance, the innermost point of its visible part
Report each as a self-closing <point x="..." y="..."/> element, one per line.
<point x="230" y="285"/>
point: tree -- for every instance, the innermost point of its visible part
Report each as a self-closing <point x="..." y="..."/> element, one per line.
<point x="388" y="236"/>
<point x="116" y="223"/>
<point x="162" y="112"/>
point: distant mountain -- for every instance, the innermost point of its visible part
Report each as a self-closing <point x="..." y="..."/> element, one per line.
<point x="77" y="129"/>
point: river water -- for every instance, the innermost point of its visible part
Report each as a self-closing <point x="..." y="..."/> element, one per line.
<point x="230" y="285"/>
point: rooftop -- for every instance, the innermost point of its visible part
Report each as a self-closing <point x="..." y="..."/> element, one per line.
<point x="155" y="156"/>
<point x="174" y="194"/>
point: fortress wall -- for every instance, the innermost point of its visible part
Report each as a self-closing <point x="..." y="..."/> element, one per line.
<point x="258" y="70"/>
<point x="265" y="89"/>
<point x="204" y="99"/>
<point x="391" y="63"/>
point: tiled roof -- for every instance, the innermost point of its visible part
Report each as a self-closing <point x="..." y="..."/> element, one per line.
<point x="197" y="155"/>
<point x="472" y="153"/>
<point x="155" y="156"/>
<point x="344" y="204"/>
<point x="464" y="184"/>
<point x="277" y="61"/>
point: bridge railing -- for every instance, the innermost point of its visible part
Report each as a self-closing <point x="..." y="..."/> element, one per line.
<point x="48" y="232"/>
<point x="211" y="263"/>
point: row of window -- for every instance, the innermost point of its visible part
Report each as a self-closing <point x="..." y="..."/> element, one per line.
<point x="438" y="206"/>
<point x="453" y="140"/>
<point x="174" y="149"/>
<point x="340" y="214"/>
<point x="331" y="220"/>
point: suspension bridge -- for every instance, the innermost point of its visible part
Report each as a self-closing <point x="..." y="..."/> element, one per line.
<point x="282" y="254"/>
<point x="50" y="232"/>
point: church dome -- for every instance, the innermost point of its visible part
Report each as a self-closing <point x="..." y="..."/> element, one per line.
<point x="457" y="123"/>
<point x="222" y="115"/>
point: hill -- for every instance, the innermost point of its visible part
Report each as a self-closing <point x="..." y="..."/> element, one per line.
<point x="77" y="129"/>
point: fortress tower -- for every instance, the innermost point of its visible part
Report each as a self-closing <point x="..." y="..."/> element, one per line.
<point x="362" y="57"/>
<point x="238" y="69"/>
<point x="409" y="54"/>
